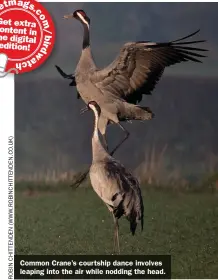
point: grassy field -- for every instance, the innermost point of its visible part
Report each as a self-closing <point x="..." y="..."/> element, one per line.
<point x="77" y="222"/>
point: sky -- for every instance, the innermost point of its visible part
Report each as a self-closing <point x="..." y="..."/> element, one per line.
<point x="113" y="24"/>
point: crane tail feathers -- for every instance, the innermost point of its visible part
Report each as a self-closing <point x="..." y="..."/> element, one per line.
<point x="142" y="223"/>
<point x="133" y="226"/>
<point x="134" y="217"/>
<point x="136" y="112"/>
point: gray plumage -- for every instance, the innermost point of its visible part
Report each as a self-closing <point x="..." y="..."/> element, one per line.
<point x="117" y="187"/>
<point x="120" y="86"/>
<point x="135" y="72"/>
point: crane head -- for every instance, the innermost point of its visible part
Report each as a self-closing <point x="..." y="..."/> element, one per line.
<point x="79" y="15"/>
<point x="94" y="106"/>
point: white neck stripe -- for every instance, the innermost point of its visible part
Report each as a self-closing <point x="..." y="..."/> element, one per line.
<point x="95" y="134"/>
<point x="82" y="18"/>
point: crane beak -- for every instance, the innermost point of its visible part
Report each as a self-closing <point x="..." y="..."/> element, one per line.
<point x="69" y="16"/>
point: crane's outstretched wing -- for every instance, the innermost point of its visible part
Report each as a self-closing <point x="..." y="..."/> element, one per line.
<point x="140" y="65"/>
<point x="68" y="76"/>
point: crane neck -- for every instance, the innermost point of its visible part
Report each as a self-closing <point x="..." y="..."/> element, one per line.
<point x="98" y="151"/>
<point x="86" y="37"/>
<point x="86" y="62"/>
<point x="95" y="132"/>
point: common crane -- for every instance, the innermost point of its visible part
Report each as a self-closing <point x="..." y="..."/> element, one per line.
<point x="118" y="188"/>
<point x="120" y="86"/>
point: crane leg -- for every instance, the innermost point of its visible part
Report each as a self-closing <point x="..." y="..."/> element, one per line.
<point x="123" y="140"/>
<point x="102" y="125"/>
<point x="115" y="250"/>
<point x="116" y="236"/>
<point x="80" y="179"/>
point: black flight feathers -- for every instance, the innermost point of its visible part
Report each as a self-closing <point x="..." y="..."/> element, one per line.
<point x="68" y="76"/>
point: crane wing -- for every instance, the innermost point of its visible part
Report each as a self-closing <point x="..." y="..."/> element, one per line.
<point x="119" y="190"/>
<point x="127" y="196"/>
<point x="139" y="66"/>
<point x="68" y="76"/>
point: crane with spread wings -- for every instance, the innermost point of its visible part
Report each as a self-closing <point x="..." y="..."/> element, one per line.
<point x="119" y="87"/>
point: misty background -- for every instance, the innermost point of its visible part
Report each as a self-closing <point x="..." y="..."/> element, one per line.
<point x="182" y="140"/>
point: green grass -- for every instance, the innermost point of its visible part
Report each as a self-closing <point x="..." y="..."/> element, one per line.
<point x="77" y="222"/>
